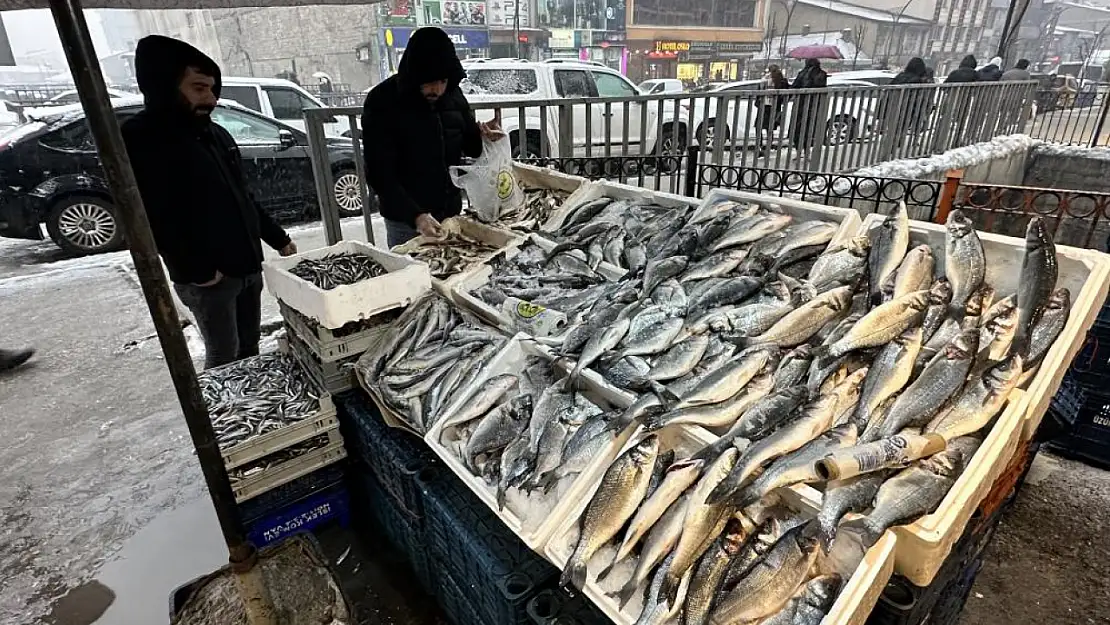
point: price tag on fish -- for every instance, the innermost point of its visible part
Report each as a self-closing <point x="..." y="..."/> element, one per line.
<point x="532" y="318"/>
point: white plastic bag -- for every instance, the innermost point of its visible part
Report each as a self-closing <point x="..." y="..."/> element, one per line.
<point x="490" y="185"/>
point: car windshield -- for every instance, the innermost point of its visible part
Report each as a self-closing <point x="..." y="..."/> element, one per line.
<point x="648" y="85"/>
<point x="500" y="81"/>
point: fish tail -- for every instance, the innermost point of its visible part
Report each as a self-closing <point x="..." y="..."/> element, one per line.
<point x="501" y="492"/>
<point x="668" y="590"/>
<point x="722" y="492"/>
<point x="665" y="394"/>
<point x="574" y="574"/>
<point x="608" y="570"/>
<point x="627" y="592"/>
<point x="869" y="534"/>
<point x="655" y="422"/>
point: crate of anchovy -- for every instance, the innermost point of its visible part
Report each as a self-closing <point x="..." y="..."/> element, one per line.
<point x="464" y="246"/>
<point x="329" y="345"/>
<point x="345" y="282"/>
<point x="281" y="467"/>
<point x="264" y="404"/>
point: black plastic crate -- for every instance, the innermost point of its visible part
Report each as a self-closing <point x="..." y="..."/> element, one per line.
<point x="394" y="456"/>
<point x="483" y="556"/>
<point x="403" y="531"/>
<point x="1089" y="436"/>
<point x="561" y="606"/>
<point x="286" y="495"/>
<point x="455" y="602"/>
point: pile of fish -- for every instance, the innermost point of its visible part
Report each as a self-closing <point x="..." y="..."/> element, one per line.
<point x="255" y="396"/>
<point x="528" y="431"/>
<point x="335" y="270"/>
<point x="431" y="353"/>
<point x="872" y="375"/>
<point x="561" y="280"/>
<point x="449" y="254"/>
<point x="263" y="464"/>
<point x="539" y="204"/>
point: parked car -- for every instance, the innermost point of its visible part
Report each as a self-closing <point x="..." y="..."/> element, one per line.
<point x="877" y="77"/>
<point x="494" y="81"/>
<point x="661" y="85"/>
<point x="71" y="97"/>
<point x="282" y="100"/>
<point x="52" y="176"/>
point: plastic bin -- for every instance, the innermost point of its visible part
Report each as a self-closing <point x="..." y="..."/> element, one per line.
<point x="287" y="494"/>
<point x="305" y="515"/>
<point x="330" y="345"/>
<point x="290" y="470"/>
<point x="498" y="571"/>
<point x="333" y="377"/>
<point x="1088" y="438"/>
<point x="393" y="456"/>
<point x="455" y="602"/>
<point x="276" y="440"/>
<point x="403" y="529"/>
<point x="560" y="606"/>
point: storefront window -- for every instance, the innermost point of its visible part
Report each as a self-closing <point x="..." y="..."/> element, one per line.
<point x="556" y="13"/>
<point x="738" y="14"/>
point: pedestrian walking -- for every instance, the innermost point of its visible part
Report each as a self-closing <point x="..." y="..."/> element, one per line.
<point x="416" y="125"/>
<point x="908" y="108"/>
<point x="769" y="115"/>
<point x="206" y="224"/>
<point x="1020" y="71"/>
<point x="808" y="107"/>
<point x="12" y="358"/>
<point x="991" y="72"/>
<point x="965" y="72"/>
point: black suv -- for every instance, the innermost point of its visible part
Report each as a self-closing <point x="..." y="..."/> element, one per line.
<point x="50" y="174"/>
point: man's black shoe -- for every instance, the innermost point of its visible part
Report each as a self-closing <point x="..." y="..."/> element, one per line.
<point x="10" y="359"/>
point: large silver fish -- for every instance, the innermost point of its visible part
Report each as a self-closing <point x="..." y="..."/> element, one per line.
<point x="889" y="242"/>
<point x="709" y="574"/>
<point x="965" y="263"/>
<point x="621" y="491"/>
<point x="798" y="467"/>
<point x="847" y="259"/>
<point x="883" y="324"/>
<point x="1052" y="323"/>
<point x="854" y="494"/>
<point x="889" y="372"/>
<point x="800" y="325"/>
<point x="810" y="605"/>
<point x="979" y="402"/>
<point x="718" y="415"/>
<point x="1039" y="270"/>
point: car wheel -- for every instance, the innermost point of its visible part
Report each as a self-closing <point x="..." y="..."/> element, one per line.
<point x="83" y="225"/>
<point x="530" y="150"/>
<point x="347" y="190"/>
<point x="840" y="130"/>
<point x="670" y="144"/>
<point x="707" y="135"/>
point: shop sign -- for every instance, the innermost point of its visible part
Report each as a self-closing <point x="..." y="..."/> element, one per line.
<point x="467" y="38"/>
<point x="561" y="38"/>
<point x="736" y="47"/>
<point x="615" y="36"/>
<point x="503" y="13"/>
<point x="454" y="12"/>
<point x="672" y="46"/>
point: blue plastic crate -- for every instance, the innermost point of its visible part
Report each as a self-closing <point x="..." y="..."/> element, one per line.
<point x="401" y="530"/>
<point x="305" y="515"/>
<point x="479" y="552"/>
<point x="283" y="496"/>
<point x="394" y="456"/>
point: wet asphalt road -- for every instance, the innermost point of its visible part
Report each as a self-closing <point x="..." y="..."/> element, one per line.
<point x="102" y="508"/>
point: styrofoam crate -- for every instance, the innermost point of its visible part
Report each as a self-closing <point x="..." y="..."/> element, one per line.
<point x="1086" y="273"/>
<point x="462" y="291"/>
<point x="470" y="228"/>
<point x="276" y="440"/>
<point x="405" y="281"/>
<point x="329" y="346"/>
<point x="852" y="606"/>
<point x="604" y="188"/>
<point x="288" y="471"/>
<point x="546" y="512"/>
<point x="848" y="218"/>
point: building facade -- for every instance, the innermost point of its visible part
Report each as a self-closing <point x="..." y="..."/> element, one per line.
<point x="695" y="41"/>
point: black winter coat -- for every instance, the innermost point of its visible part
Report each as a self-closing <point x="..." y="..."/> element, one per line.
<point x="990" y="73"/>
<point x="963" y="74"/>
<point x="190" y="176"/>
<point x="410" y="143"/>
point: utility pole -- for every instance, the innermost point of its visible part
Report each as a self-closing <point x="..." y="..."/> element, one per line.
<point x="516" y="26"/>
<point x="77" y="44"/>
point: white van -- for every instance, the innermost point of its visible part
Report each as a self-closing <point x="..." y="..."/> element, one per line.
<point x="280" y="99"/>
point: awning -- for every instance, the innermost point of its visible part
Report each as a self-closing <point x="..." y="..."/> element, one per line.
<point x="16" y="5"/>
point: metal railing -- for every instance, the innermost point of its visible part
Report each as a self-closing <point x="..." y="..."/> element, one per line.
<point x="655" y="141"/>
<point x="1073" y="118"/>
<point x="1079" y="218"/>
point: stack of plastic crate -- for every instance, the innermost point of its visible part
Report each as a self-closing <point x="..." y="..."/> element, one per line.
<point x="1081" y="407"/>
<point x="327" y="355"/>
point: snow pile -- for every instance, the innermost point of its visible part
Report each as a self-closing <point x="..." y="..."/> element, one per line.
<point x="1072" y="151"/>
<point x="934" y="167"/>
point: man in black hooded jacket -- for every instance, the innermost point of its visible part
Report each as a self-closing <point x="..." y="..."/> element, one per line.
<point x="206" y="225"/>
<point x="416" y="124"/>
<point x="965" y="72"/>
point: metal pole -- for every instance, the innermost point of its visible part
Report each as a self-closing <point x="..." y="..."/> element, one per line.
<point x="516" y="26"/>
<point x="83" y="64"/>
<point x="1002" y="41"/>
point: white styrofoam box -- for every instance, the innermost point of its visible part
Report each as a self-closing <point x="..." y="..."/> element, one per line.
<point x="405" y="281"/>
<point x="854" y="603"/>
<point x="1085" y="273"/>
<point x="848" y="218"/>
<point x="462" y="291"/>
<point x="472" y="229"/>
<point x="532" y="518"/>
<point x="604" y="188"/>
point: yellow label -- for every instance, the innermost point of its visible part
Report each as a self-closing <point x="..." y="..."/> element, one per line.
<point x="504" y="184"/>
<point x="526" y="310"/>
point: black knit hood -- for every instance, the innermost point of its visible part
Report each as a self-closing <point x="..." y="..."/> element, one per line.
<point x="429" y="56"/>
<point x="160" y="63"/>
<point x="969" y="62"/>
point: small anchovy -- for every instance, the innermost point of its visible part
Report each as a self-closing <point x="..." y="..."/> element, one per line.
<point x="337" y="269"/>
<point x="265" y="463"/>
<point x="450" y="254"/>
<point x="256" y="395"/>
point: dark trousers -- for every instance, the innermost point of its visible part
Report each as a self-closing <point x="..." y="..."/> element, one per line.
<point x="229" y="317"/>
<point x="398" y="232"/>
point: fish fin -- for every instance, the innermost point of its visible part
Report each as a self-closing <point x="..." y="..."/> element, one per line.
<point x="574" y="574"/>
<point x="639" y="383"/>
<point x="627" y="592"/>
<point x="655" y="422"/>
<point x="608" y="570"/>
<point x="501" y="495"/>
<point x="668" y="590"/>
<point x="665" y="394"/>
<point x="869" y="534"/>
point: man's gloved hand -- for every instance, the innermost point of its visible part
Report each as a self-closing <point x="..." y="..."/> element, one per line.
<point x="428" y="226"/>
<point x="289" y="249"/>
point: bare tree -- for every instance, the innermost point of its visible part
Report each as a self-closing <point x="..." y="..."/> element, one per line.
<point x="789" y="6"/>
<point x="858" y="33"/>
<point x="1087" y="50"/>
